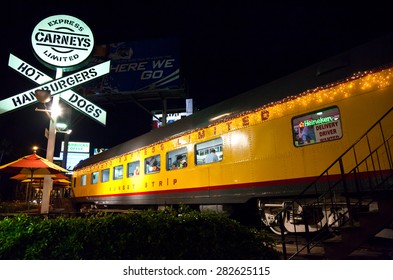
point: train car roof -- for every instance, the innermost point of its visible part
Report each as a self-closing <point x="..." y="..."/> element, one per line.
<point x="370" y="56"/>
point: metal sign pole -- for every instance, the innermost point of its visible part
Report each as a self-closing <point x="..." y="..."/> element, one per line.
<point x="48" y="182"/>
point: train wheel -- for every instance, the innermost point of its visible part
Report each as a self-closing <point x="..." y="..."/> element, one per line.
<point x="277" y="230"/>
<point x="268" y="218"/>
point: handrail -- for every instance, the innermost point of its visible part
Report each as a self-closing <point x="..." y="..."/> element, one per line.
<point x="372" y="164"/>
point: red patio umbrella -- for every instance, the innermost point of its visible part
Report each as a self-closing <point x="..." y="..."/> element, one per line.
<point x="32" y="165"/>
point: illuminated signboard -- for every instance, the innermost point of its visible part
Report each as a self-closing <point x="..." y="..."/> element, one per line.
<point x="321" y="126"/>
<point x="77" y="151"/>
<point x="62" y="41"/>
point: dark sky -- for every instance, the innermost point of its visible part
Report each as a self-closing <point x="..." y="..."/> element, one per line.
<point x="226" y="49"/>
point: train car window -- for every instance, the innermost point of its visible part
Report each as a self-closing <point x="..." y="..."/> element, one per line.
<point x="83" y="180"/>
<point x="316" y="127"/>
<point x="152" y="164"/>
<point x="105" y="175"/>
<point x="94" y="177"/>
<point x="118" y="172"/>
<point x="133" y="168"/>
<point x="209" y="151"/>
<point x="177" y="159"/>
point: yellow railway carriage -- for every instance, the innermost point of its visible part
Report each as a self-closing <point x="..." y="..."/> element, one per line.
<point x="269" y="143"/>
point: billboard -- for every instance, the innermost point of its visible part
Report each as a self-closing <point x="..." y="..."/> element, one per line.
<point x="138" y="66"/>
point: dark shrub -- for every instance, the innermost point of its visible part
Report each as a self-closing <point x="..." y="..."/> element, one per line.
<point x="143" y="235"/>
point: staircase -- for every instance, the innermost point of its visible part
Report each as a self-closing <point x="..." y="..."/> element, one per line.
<point x="367" y="226"/>
<point x="364" y="182"/>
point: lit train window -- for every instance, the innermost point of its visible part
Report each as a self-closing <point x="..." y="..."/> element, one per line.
<point x="83" y="180"/>
<point x="152" y="164"/>
<point x="133" y="168"/>
<point x="209" y="151"/>
<point x="105" y="175"/>
<point x="118" y="172"/>
<point x="315" y="127"/>
<point x="94" y="177"/>
<point x="177" y="159"/>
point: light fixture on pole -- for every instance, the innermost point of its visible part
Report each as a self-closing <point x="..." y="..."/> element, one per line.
<point x="62" y="128"/>
<point x="43" y="96"/>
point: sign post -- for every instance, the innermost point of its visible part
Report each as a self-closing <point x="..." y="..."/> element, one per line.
<point x="63" y="43"/>
<point x="50" y="148"/>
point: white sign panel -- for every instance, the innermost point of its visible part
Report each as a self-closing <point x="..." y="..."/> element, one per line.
<point x="62" y="41"/>
<point x="85" y="106"/>
<point x="69" y="96"/>
<point x="328" y="131"/>
<point x="55" y="87"/>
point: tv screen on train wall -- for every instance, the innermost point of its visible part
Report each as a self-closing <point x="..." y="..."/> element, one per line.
<point x="138" y="66"/>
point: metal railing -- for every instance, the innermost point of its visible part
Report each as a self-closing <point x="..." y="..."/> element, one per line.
<point x="345" y="187"/>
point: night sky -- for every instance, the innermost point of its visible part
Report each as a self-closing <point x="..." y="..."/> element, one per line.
<point x="225" y="49"/>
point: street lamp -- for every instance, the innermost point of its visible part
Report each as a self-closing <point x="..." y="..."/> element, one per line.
<point x="36" y="148"/>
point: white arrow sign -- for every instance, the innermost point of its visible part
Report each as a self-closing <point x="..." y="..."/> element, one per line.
<point x="72" y="98"/>
<point x="57" y="86"/>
